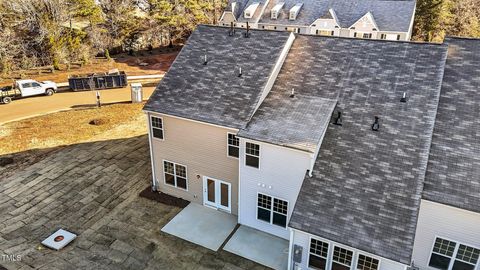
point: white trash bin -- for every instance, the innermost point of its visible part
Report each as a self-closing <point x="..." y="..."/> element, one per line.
<point x="137" y="92"/>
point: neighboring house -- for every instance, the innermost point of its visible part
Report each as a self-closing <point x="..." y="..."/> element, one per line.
<point x="335" y="144"/>
<point x="369" y="19"/>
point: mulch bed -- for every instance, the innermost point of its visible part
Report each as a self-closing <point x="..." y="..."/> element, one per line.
<point x="163" y="198"/>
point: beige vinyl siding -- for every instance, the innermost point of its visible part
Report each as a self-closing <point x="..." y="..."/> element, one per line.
<point x="202" y="148"/>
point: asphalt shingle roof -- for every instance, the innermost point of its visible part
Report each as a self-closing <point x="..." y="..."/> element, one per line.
<point x="366" y="186"/>
<point x="214" y="93"/>
<point x="297" y="122"/>
<point x="389" y="15"/>
<point x="453" y="173"/>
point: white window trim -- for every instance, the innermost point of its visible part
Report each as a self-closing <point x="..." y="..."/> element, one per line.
<point x="332" y="245"/>
<point x="175" y="174"/>
<point x="454" y="255"/>
<point x="152" y="127"/>
<point x="271" y="210"/>
<point x="239" y="144"/>
<point x="259" y="155"/>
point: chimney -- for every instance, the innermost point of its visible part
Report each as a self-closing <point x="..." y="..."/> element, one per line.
<point x="338" y="120"/>
<point x="376" y="125"/>
<point x="247" y="34"/>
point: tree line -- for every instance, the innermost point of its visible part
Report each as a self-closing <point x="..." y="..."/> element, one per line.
<point x="436" y="19"/>
<point x="54" y="32"/>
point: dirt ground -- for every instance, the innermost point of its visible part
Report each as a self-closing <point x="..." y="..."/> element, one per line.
<point x="73" y="126"/>
<point x="144" y="63"/>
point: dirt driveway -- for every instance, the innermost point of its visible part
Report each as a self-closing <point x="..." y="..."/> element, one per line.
<point x="28" y="107"/>
<point x="92" y="190"/>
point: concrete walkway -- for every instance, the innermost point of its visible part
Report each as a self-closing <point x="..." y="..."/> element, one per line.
<point x="259" y="247"/>
<point x="201" y="225"/>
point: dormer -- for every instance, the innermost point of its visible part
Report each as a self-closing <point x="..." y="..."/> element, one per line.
<point x="276" y="10"/>
<point x="365" y="23"/>
<point x="250" y="10"/>
<point x="294" y="11"/>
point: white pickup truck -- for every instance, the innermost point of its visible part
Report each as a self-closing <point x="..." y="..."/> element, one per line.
<point x="27" y="88"/>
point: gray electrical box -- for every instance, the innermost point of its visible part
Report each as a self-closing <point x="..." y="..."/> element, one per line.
<point x="297" y="253"/>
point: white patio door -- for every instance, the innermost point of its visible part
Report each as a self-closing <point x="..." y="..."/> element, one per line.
<point x="217" y="194"/>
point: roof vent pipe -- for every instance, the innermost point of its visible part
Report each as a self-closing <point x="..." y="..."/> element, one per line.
<point x="232" y="30"/>
<point x="292" y="94"/>
<point x="240" y="72"/>
<point x="404" y="97"/>
<point x="376" y="124"/>
<point x="205" y="60"/>
<point x="247" y="34"/>
<point x="338" y="120"/>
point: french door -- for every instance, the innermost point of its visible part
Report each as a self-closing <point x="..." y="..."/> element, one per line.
<point x="217" y="194"/>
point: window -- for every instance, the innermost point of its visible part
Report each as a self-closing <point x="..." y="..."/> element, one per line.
<point x="325" y="33"/>
<point x="342" y="258"/>
<point x="318" y="254"/>
<point x="175" y="174"/>
<point x="233" y="145"/>
<point x="26" y="85"/>
<point x="367" y="35"/>
<point x="252" y="154"/>
<point x="444" y="251"/>
<point x="157" y="127"/>
<point x="366" y="263"/>
<point x="272" y="210"/>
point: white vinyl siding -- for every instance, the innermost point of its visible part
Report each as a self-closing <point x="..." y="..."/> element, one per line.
<point x="449" y="223"/>
<point x="311" y="255"/>
<point x="281" y="175"/>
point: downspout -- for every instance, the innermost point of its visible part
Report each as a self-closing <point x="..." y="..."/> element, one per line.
<point x="152" y="158"/>
<point x="290" y="248"/>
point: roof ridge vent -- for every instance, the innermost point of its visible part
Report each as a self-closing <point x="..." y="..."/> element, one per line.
<point x="338" y="120"/>
<point x="292" y="94"/>
<point x="376" y="124"/>
<point x="404" y="97"/>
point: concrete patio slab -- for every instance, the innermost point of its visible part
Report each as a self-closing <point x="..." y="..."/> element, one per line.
<point x="201" y="225"/>
<point x="259" y="247"/>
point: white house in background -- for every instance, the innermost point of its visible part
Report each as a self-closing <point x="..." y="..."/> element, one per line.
<point x="370" y="19"/>
<point x="314" y="141"/>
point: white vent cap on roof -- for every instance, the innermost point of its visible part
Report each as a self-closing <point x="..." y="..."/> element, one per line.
<point x="294" y="11"/>
<point x="250" y="10"/>
<point x="276" y="10"/>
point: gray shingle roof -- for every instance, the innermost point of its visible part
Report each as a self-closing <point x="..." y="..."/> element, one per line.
<point x="214" y="93"/>
<point x="297" y="122"/>
<point x="366" y="186"/>
<point x="453" y="173"/>
<point x="389" y="15"/>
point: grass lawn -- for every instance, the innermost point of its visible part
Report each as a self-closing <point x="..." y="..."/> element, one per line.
<point x="73" y="126"/>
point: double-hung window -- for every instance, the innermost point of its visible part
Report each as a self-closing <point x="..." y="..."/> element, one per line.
<point x="252" y="155"/>
<point x="318" y="254"/>
<point x="157" y="127"/>
<point x="367" y="263"/>
<point x="233" y="145"/>
<point x="175" y="174"/>
<point x="449" y="255"/>
<point x="272" y="210"/>
<point x="341" y="259"/>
